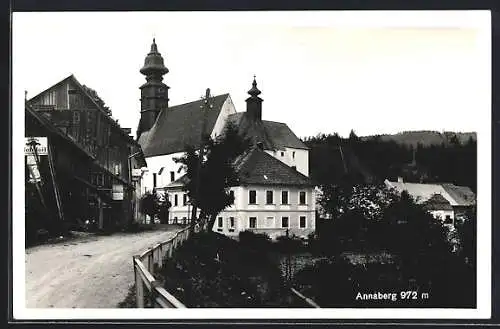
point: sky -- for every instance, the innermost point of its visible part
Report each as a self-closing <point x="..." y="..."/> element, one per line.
<point x="319" y="72"/>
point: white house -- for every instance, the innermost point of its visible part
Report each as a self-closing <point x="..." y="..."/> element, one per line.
<point x="164" y="132"/>
<point x="447" y="202"/>
<point x="270" y="198"/>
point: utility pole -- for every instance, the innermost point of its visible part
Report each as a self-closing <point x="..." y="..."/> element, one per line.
<point x="204" y="108"/>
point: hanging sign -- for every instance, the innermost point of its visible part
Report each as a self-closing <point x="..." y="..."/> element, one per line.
<point x="38" y="143"/>
<point x="117" y="192"/>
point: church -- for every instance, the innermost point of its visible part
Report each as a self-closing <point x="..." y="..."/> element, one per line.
<point x="275" y="193"/>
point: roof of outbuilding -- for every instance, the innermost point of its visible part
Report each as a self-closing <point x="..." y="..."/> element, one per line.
<point x="179" y="126"/>
<point x="423" y="192"/>
<point x="462" y="194"/>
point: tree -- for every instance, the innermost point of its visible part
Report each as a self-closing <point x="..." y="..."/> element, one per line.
<point x="150" y="204"/>
<point x="211" y="194"/>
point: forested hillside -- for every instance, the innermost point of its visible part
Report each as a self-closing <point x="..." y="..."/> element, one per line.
<point x="425" y="138"/>
<point x="424" y="157"/>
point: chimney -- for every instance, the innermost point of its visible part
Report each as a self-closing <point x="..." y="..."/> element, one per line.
<point x="254" y="102"/>
<point x="400" y="179"/>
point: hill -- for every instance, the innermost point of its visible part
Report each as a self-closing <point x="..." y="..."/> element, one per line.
<point x="426" y="138"/>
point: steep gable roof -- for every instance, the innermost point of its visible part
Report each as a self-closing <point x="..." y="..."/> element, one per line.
<point x="179" y="126"/>
<point x="273" y="135"/>
<point x="94" y="99"/>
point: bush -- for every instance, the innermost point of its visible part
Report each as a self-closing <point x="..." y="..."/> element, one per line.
<point x="289" y="244"/>
<point x="240" y="277"/>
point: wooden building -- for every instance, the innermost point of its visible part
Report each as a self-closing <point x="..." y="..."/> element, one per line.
<point x="100" y="187"/>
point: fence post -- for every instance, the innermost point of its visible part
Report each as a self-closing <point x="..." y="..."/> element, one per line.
<point x="160" y="255"/>
<point x="139" y="286"/>
<point x="154" y="292"/>
<point x="150" y="261"/>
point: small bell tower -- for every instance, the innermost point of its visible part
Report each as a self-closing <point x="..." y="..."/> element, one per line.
<point x="254" y="102"/>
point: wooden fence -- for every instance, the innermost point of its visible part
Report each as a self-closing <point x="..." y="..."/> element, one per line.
<point x="148" y="290"/>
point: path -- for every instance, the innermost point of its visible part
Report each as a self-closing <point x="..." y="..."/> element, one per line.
<point x="91" y="273"/>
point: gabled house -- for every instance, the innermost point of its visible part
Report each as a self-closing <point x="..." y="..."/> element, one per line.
<point x="81" y="115"/>
<point x="270" y="197"/>
<point x="447" y="202"/>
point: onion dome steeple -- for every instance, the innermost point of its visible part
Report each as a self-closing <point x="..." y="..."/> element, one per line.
<point x="254" y="92"/>
<point x="153" y="64"/>
<point x="154" y="93"/>
<point x="254" y="102"/>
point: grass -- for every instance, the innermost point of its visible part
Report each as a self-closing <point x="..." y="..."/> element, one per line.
<point x="129" y="301"/>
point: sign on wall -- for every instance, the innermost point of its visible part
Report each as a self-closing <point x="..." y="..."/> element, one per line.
<point x="39" y="143"/>
<point x="117" y="192"/>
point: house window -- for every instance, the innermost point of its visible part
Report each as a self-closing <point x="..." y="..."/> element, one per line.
<point x="184" y="199"/>
<point x="284" y="197"/>
<point x="282" y="154"/>
<point x="293" y="154"/>
<point x="154" y="179"/>
<point x="284" y="221"/>
<point x="302" y="197"/>
<point x="219" y="224"/>
<point x="76" y="117"/>
<point x="269" y="197"/>
<point x="302" y="221"/>
<point x="448" y="220"/>
<point x="252" y="197"/>
<point x="231" y="224"/>
<point x="269" y="222"/>
<point x="176" y="201"/>
<point x="172" y="176"/>
<point x="252" y="222"/>
<point x="231" y="193"/>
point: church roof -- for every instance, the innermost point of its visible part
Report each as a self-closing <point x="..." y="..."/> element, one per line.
<point x="179" y="126"/>
<point x="273" y="135"/>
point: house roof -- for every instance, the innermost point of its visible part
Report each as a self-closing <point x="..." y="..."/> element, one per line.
<point x="93" y="98"/>
<point x="273" y="135"/>
<point x="423" y="192"/>
<point x="179" y="126"/>
<point x="179" y="182"/>
<point x="437" y="202"/>
<point x="462" y="194"/>
<point x="256" y="167"/>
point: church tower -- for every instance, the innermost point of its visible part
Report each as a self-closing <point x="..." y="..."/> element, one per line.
<point x="154" y="93"/>
<point x="254" y="102"/>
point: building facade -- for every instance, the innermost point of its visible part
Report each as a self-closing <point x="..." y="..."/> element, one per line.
<point x="78" y="113"/>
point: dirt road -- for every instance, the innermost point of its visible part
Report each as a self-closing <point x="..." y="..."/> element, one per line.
<point x="90" y="273"/>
